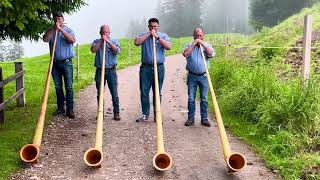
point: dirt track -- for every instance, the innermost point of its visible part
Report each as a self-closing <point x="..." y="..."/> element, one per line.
<point x="129" y="146"/>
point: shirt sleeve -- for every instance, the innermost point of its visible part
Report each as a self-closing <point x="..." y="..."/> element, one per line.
<point x="95" y="42"/>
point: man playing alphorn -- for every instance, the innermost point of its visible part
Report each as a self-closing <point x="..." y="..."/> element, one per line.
<point x="197" y="76"/>
<point x="112" y="50"/>
<point x="146" y="73"/>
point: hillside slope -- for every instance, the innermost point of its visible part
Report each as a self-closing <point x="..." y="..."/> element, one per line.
<point x="262" y="99"/>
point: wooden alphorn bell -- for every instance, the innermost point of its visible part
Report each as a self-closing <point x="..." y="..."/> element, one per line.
<point x="30" y="152"/>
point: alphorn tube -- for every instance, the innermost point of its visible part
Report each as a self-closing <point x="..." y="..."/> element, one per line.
<point x="162" y="160"/>
<point x="235" y="161"/>
<point x="30" y="152"/>
<point x="93" y="157"/>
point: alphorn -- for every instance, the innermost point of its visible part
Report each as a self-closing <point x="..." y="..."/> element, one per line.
<point x="93" y="157"/>
<point x="235" y="161"/>
<point x="162" y="160"/>
<point x="30" y="152"/>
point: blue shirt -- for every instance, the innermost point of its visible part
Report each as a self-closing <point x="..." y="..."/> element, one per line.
<point x="147" y="49"/>
<point x="64" y="49"/>
<point x="111" y="57"/>
<point x="194" y="60"/>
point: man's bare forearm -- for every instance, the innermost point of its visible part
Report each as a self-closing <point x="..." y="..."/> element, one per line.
<point x="47" y="35"/>
<point x="95" y="48"/>
<point x="208" y="50"/>
<point x="140" y="40"/>
<point x="188" y="51"/>
<point x="68" y="36"/>
<point x="114" y="47"/>
<point x="166" y="44"/>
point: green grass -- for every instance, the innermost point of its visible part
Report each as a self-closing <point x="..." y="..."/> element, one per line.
<point x="20" y="123"/>
<point x="283" y="35"/>
<point x="279" y="118"/>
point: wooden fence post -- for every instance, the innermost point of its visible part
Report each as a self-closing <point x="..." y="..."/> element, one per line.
<point x="306" y="48"/>
<point x="20" y="84"/>
<point x="78" y="61"/>
<point x="1" y="99"/>
<point x="227" y="46"/>
<point x="129" y="53"/>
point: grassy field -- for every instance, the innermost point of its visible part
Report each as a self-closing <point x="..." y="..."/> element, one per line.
<point x="20" y="123"/>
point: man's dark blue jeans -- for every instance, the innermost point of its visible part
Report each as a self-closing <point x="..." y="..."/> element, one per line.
<point x="193" y="81"/>
<point x="63" y="70"/>
<point x="146" y="82"/>
<point x="112" y="80"/>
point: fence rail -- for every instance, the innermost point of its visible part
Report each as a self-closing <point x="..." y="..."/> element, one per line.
<point x="20" y="90"/>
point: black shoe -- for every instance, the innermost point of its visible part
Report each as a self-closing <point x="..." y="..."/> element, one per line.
<point x="205" y="122"/>
<point x="189" y="122"/>
<point x="70" y="115"/>
<point x="142" y="118"/>
<point x="58" y="112"/>
<point x="116" y="116"/>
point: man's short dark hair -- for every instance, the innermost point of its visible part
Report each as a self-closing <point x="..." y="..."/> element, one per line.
<point x="153" y="20"/>
<point x="57" y="14"/>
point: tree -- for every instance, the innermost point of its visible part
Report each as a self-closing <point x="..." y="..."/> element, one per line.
<point x="179" y="18"/>
<point x="271" y="12"/>
<point x="2" y="52"/>
<point x="30" y="18"/>
<point x="11" y="52"/>
<point x="136" y="27"/>
<point x="225" y="16"/>
<point x="15" y="51"/>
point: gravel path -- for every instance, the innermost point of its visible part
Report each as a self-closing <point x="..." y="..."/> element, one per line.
<point x="129" y="146"/>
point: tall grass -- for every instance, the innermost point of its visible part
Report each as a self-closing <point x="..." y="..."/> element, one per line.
<point x="282" y="117"/>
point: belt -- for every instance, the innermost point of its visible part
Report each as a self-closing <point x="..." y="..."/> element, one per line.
<point x="151" y="65"/>
<point x="197" y="74"/>
<point x="63" y="60"/>
<point x="109" y="69"/>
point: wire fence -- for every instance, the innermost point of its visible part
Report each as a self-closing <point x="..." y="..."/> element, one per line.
<point x="232" y="42"/>
<point x="265" y="47"/>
